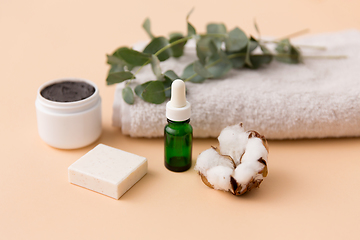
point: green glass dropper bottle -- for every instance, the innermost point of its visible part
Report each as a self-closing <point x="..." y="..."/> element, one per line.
<point x="178" y="132"/>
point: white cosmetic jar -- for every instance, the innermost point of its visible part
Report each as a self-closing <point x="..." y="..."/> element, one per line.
<point x="69" y="125"/>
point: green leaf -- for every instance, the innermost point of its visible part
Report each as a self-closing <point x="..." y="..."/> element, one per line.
<point x="170" y="74"/>
<point x="178" y="49"/>
<point x="189" y="72"/>
<point x="289" y="58"/>
<point x="140" y="88"/>
<point x="169" y="77"/>
<point x="116" y="59"/>
<point x="236" y="41"/>
<point x="190" y="28"/>
<point x="128" y="95"/>
<point x="113" y="59"/>
<point x="287" y="53"/>
<point x="155" y="66"/>
<point x="254" y="43"/>
<point x="147" y="26"/>
<point x="215" y="28"/>
<point x="201" y="70"/>
<point x="259" y="59"/>
<point x="221" y="65"/>
<point x="117" y="64"/>
<point x="133" y="57"/>
<point x="116" y="68"/>
<point x="118" y="77"/>
<point x="205" y="48"/>
<point x="155" y="45"/>
<point x="238" y="61"/>
<point x="154" y="92"/>
<point x="283" y="46"/>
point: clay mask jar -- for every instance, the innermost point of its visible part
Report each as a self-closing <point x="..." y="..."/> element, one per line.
<point x="68" y="113"/>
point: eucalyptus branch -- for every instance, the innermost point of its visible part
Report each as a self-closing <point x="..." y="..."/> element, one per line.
<point x="218" y="50"/>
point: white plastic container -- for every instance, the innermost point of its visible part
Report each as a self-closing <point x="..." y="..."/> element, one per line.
<point x="69" y="125"/>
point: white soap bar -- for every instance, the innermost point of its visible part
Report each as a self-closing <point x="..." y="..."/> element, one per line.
<point x="108" y="170"/>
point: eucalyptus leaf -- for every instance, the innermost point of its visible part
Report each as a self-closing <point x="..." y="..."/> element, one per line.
<point x="116" y="68"/>
<point x="201" y="70"/>
<point x="287" y="53"/>
<point x="113" y="59"/>
<point x="237" y="59"/>
<point x="189" y="72"/>
<point x="178" y="49"/>
<point x="205" y="48"/>
<point x="154" y="92"/>
<point x="118" y="77"/>
<point x="155" y="45"/>
<point x="128" y="95"/>
<point x="147" y="27"/>
<point x="254" y="43"/>
<point x="236" y="41"/>
<point x="288" y="58"/>
<point x="133" y="57"/>
<point x="219" y="65"/>
<point x="283" y="46"/>
<point x="190" y="28"/>
<point x="140" y="88"/>
<point x="259" y="59"/>
<point x="117" y="64"/>
<point x="171" y="75"/>
<point x="201" y="54"/>
<point x="217" y="29"/>
<point x="155" y="66"/>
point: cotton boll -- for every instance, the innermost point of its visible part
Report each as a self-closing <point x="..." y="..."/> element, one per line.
<point x="255" y="150"/>
<point x="211" y="158"/>
<point x="246" y="178"/>
<point x="219" y="177"/>
<point x="232" y="142"/>
<point x="239" y="165"/>
<point x="243" y="174"/>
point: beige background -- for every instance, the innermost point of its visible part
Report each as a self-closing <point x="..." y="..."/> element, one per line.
<point x="312" y="191"/>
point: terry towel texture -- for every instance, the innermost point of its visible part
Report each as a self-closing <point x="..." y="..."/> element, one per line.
<point x="316" y="99"/>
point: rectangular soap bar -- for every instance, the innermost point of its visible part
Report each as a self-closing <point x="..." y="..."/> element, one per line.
<point x="108" y="170"/>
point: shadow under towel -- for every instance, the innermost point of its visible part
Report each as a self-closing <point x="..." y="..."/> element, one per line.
<point x="316" y="99"/>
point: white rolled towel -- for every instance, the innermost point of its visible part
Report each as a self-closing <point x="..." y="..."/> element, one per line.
<point x="319" y="98"/>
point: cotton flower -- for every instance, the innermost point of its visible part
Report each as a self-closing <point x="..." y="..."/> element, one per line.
<point x="240" y="163"/>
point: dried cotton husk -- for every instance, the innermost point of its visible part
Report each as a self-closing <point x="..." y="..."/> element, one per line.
<point x="238" y="165"/>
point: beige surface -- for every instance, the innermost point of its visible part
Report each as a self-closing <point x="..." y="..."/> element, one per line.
<point x="312" y="191"/>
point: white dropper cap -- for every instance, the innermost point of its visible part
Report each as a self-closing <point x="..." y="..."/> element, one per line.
<point x="178" y="109"/>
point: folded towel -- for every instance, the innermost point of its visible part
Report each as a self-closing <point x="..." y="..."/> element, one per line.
<point x="316" y="99"/>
